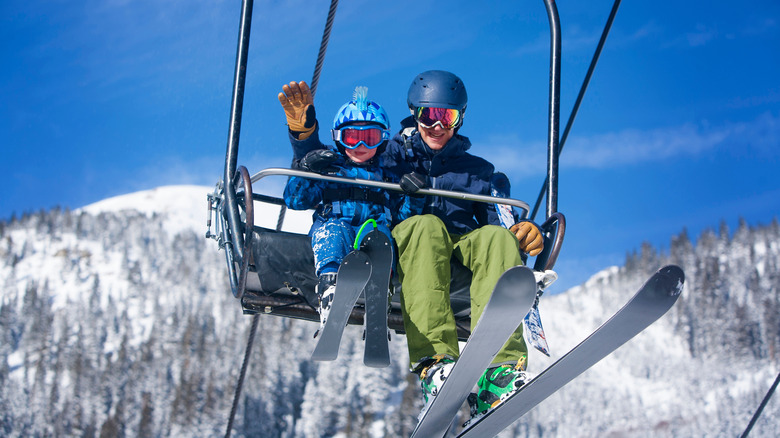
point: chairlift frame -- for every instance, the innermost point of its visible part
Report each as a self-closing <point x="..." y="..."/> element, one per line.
<point x="246" y="245"/>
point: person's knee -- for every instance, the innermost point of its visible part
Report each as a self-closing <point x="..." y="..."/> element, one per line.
<point x="425" y="234"/>
<point x="336" y="225"/>
<point x="492" y="240"/>
<point x="497" y="234"/>
<point x="424" y="225"/>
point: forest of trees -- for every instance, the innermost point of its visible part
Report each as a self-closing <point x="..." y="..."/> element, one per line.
<point x="110" y="326"/>
<point x="732" y="294"/>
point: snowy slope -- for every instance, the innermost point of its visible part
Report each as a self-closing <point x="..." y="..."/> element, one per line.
<point x="117" y="318"/>
<point x="658" y="384"/>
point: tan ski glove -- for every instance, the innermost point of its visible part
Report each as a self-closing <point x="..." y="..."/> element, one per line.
<point x="529" y="236"/>
<point x="298" y="104"/>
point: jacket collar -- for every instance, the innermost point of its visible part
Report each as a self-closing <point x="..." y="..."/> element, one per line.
<point x="458" y="145"/>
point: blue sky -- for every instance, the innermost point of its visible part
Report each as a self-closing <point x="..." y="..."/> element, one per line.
<point x="679" y="129"/>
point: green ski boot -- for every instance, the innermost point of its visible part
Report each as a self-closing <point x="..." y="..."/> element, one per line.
<point x="495" y="386"/>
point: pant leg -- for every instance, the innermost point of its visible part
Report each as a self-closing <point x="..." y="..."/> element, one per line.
<point x="331" y="240"/>
<point x="488" y="252"/>
<point x="425" y="249"/>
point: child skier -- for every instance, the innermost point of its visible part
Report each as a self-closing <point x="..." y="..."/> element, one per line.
<point x="360" y="131"/>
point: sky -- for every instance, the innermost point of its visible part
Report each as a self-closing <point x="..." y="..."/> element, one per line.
<point x="679" y="129"/>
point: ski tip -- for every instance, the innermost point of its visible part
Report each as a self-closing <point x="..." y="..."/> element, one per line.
<point x="375" y="238"/>
<point x="674" y="273"/>
<point x="377" y="363"/>
<point x="325" y="351"/>
<point x="518" y="273"/>
<point x="320" y="357"/>
<point x="358" y="257"/>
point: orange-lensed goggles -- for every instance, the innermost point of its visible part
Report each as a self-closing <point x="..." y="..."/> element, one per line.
<point x="448" y="118"/>
<point x="353" y="136"/>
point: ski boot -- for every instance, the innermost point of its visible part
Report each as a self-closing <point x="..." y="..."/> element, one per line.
<point x="496" y="385"/>
<point x="326" y="287"/>
<point x="433" y="376"/>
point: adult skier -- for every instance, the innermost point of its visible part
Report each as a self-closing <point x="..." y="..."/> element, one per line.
<point x="429" y="152"/>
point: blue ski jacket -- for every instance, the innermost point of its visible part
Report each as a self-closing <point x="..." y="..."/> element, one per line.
<point x="451" y="168"/>
<point x="348" y="202"/>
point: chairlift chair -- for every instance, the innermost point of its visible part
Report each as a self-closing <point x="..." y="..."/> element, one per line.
<point x="272" y="271"/>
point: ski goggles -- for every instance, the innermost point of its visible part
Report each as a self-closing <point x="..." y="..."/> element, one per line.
<point x="447" y="118"/>
<point x="353" y="136"/>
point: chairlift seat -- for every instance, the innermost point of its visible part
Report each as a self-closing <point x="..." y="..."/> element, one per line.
<point x="282" y="263"/>
<point x="284" y="283"/>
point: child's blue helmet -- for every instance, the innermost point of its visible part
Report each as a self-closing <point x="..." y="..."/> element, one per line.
<point x="360" y="109"/>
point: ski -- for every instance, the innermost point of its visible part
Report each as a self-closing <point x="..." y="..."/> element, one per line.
<point x="353" y="275"/>
<point x="513" y="295"/>
<point x="380" y="250"/>
<point x="652" y="301"/>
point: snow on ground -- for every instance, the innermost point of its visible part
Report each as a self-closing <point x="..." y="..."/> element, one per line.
<point x="70" y="264"/>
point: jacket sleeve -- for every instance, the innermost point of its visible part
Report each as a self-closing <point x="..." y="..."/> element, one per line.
<point x="406" y="206"/>
<point x="302" y="193"/>
<point x="302" y="147"/>
<point x="393" y="158"/>
<point x="484" y="213"/>
<point x="394" y="165"/>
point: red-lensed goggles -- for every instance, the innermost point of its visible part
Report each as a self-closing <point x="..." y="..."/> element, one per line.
<point x="353" y="136"/>
<point x="448" y="118"/>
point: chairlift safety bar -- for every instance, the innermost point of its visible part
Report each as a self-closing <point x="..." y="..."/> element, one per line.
<point x="391" y="186"/>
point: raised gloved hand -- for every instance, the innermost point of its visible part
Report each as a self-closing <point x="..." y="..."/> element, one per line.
<point x="321" y="161"/>
<point x="412" y="182"/>
<point x="298" y="104"/>
<point x="529" y="236"/>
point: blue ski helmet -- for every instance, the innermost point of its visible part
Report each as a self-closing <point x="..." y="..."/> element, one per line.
<point x="438" y="89"/>
<point x="360" y="109"/>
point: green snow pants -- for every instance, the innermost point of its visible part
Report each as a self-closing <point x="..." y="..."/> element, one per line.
<point x="425" y="249"/>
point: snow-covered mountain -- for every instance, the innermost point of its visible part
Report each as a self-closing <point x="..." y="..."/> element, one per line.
<point x="117" y="320"/>
<point x="185" y="208"/>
